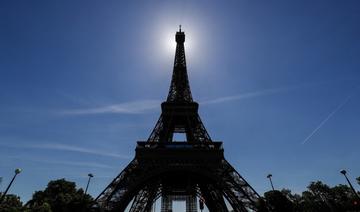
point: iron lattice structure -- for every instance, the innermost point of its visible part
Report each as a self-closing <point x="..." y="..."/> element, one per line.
<point x="176" y="170"/>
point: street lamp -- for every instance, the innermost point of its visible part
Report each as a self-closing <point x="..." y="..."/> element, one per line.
<point x="17" y="171"/>
<point x="343" y="171"/>
<point x="272" y="186"/>
<point x="87" y="186"/>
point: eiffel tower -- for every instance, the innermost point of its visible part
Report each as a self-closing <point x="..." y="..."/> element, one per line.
<point x="179" y="170"/>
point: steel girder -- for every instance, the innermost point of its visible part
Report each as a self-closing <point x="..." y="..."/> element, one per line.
<point x="191" y="125"/>
<point x="213" y="198"/>
<point x="142" y="182"/>
<point x="144" y="200"/>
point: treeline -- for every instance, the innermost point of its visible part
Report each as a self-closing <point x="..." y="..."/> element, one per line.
<point x="59" y="196"/>
<point x="318" y="197"/>
<point x="63" y="196"/>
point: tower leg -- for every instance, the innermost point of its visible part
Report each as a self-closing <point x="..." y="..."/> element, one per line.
<point x="213" y="198"/>
<point x="191" y="204"/>
<point x="166" y="204"/>
<point x="144" y="199"/>
<point x="238" y="192"/>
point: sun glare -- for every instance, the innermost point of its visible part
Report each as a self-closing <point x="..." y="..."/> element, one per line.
<point x="165" y="45"/>
<point x="168" y="42"/>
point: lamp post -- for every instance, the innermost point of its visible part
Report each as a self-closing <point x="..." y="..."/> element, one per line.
<point x="87" y="186"/>
<point x="272" y="186"/>
<point x="343" y="171"/>
<point x="17" y="171"/>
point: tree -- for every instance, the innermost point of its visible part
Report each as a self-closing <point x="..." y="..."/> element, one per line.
<point x="321" y="198"/>
<point x="11" y="203"/>
<point x="278" y="202"/>
<point x="318" y="197"/>
<point x="358" y="180"/>
<point x="45" y="207"/>
<point x="344" y="198"/>
<point x="261" y="206"/>
<point x="296" y="199"/>
<point x="60" y="196"/>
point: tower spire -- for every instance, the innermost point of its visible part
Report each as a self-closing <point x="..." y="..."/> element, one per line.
<point x="179" y="88"/>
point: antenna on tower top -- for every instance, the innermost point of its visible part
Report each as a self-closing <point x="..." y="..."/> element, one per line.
<point x="180" y="28"/>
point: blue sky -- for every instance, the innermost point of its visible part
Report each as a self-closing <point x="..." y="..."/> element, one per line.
<point x="82" y="81"/>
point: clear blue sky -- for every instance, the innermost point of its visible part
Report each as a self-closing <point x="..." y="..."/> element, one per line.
<point x="81" y="82"/>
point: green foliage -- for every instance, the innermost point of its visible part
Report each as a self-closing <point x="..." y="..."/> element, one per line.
<point x="45" y="207"/>
<point x="294" y="198"/>
<point x="318" y="198"/>
<point x="278" y="202"/>
<point x="343" y="197"/>
<point x="60" y="196"/>
<point x="11" y="203"/>
<point x="261" y="206"/>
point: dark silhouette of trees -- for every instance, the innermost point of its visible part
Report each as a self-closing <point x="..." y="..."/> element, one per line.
<point x="11" y="203"/>
<point x="344" y="198"/>
<point x="295" y="199"/>
<point x="60" y="196"/>
<point x="338" y="198"/>
<point x="358" y="180"/>
<point x="45" y="207"/>
<point x="277" y="201"/>
<point x="319" y="197"/>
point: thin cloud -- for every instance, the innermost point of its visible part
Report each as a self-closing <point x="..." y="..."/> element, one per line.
<point x="143" y="106"/>
<point x="323" y="122"/>
<point x="66" y="163"/>
<point x="246" y="95"/>
<point x="74" y="163"/>
<point x="264" y="92"/>
<point x="64" y="147"/>
<point x="135" y="107"/>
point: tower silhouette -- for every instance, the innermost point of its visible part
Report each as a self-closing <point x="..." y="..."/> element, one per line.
<point x="179" y="170"/>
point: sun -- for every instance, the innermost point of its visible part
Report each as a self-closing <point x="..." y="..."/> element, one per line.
<point x="168" y="42"/>
<point x="163" y="48"/>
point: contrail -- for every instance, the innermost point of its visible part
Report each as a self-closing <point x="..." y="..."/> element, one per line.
<point x="326" y="119"/>
<point x="246" y="95"/>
